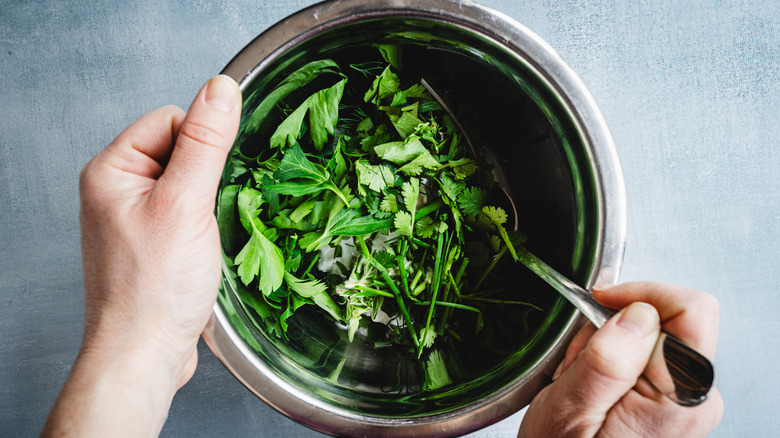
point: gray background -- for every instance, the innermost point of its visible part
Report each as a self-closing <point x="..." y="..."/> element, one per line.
<point x="690" y="91"/>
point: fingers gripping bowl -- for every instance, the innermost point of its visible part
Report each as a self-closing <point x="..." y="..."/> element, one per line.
<point x="511" y="92"/>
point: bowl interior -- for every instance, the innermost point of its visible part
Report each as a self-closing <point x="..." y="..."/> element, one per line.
<point x="505" y="105"/>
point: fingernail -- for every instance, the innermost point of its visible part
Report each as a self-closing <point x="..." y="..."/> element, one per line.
<point x="221" y="93"/>
<point x="639" y="319"/>
<point x="604" y="286"/>
<point x="558" y="371"/>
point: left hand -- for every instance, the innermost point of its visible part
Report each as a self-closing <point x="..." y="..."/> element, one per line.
<point x="150" y="244"/>
<point x="151" y="259"/>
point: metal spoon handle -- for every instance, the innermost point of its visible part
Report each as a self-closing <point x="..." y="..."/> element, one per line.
<point x="677" y="370"/>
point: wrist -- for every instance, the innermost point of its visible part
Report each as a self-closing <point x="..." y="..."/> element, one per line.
<point x="138" y="348"/>
<point x="113" y="392"/>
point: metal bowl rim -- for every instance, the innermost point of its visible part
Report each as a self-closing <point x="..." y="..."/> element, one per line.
<point x="227" y="345"/>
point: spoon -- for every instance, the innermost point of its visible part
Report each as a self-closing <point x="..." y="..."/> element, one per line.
<point x="681" y="373"/>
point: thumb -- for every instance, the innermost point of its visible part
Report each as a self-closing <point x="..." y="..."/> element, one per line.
<point x="203" y="142"/>
<point x="608" y="367"/>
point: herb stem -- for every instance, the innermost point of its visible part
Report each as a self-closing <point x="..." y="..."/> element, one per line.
<point x="502" y="232"/>
<point x="437" y="268"/>
<point x="334" y="188"/>
<point x="450" y="305"/>
<point x="459" y="276"/>
<point x="496" y="301"/>
<point x="311" y="265"/>
<point x="489" y="268"/>
<point x="401" y="260"/>
<point x="373" y="292"/>
<point x="401" y="305"/>
<point x="428" y="209"/>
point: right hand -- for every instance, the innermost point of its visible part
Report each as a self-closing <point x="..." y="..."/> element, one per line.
<point x="596" y="391"/>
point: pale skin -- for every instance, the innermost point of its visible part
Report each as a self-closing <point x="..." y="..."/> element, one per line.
<point x="596" y="390"/>
<point x="150" y="244"/>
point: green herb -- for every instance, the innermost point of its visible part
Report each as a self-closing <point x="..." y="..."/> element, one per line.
<point x="363" y="201"/>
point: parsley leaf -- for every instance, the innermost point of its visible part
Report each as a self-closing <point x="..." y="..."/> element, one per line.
<point x="384" y="86"/>
<point x="300" y="177"/>
<point x="410" y="153"/>
<point x="316" y="291"/>
<point x="322" y="107"/>
<point x="262" y="259"/>
<point x="294" y="81"/>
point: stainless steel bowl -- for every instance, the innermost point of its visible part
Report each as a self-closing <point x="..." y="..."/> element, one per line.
<point x="562" y="165"/>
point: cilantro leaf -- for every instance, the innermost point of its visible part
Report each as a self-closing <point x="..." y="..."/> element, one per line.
<point x="399" y="99"/>
<point x="344" y="222"/>
<point x="379" y="136"/>
<point x="425" y="227"/>
<point x="385" y="259"/>
<point x="436" y="374"/>
<point x="427" y="336"/>
<point x="451" y="187"/>
<point x="302" y="210"/>
<point x="411" y="194"/>
<point x="496" y="215"/>
<point x="287" y="132"/>
<point x="463" y="168"/>
<point x="389" y="204"/>
<point x="350" y="225"/>
<point x="365" y="125"/>
<point x="391" y="54"/>
<point x="271" y="198"/>
<point x="406" y="124"/>
<point x="471" y="200"/>
<point x="400" y="153"/>
<point x="416" y="166"/>
<point x="294" y="303"/>
<point x="300" y="177"/>
<point x="404" y="119"/>
<point x="338" y="164"/>
<point x="375" y="177"/>
<point x="403" y="223"/>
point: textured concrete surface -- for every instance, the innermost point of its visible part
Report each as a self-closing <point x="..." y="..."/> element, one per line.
<point x="690" y="91"/>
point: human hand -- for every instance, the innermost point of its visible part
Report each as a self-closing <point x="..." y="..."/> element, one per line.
<point x="150" y="244"/>
<point x="596" y="390"/>
<point x="151" y="259"/>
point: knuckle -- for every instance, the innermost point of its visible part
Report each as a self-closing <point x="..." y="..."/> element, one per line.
<point x="609" y="365"/>
<point x="708" y="303"/>
<point x="88" y="179"/>
<point x="203" y="134"/>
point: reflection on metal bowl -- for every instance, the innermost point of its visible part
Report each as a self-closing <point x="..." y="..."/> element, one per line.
<point x="512" y="93"/>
